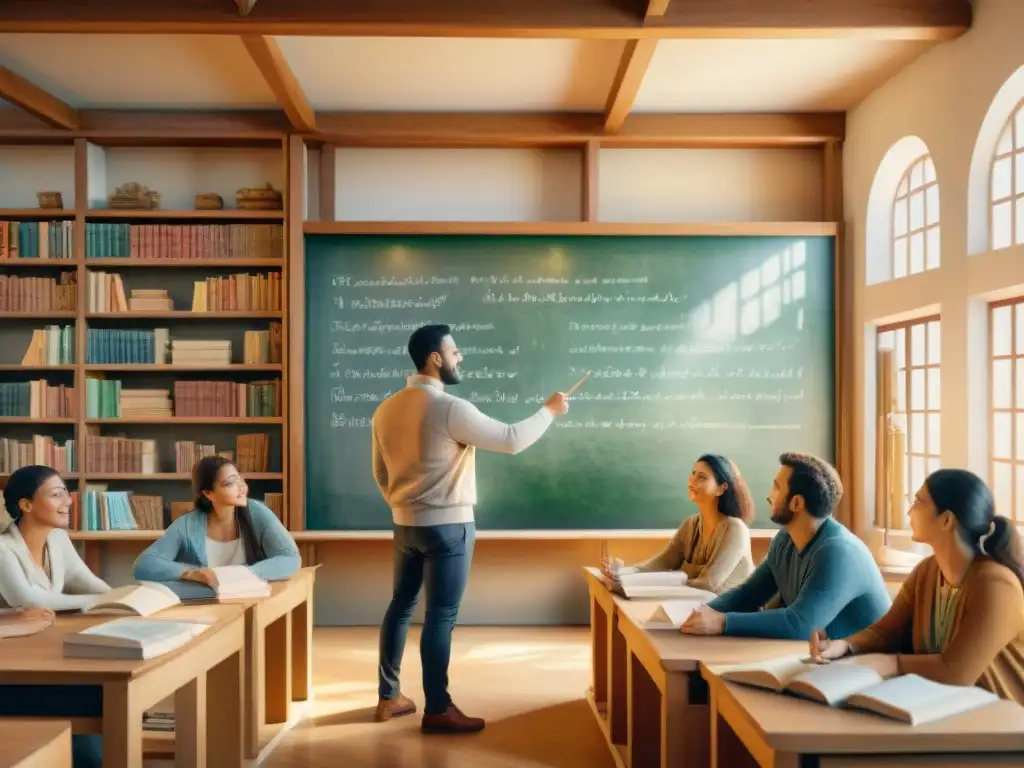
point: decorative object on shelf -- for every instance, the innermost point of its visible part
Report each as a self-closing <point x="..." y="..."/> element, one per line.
<point x="134" y="197"/>
<point x="50" y="200"/>
<point x="209" y="201"/>
<point x="264" y="198"/>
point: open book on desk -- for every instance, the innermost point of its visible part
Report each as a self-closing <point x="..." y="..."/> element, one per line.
<point x="142" y="599"/>
<point x="234" y="582"/>
<point x="132" y="639"/>
<point x="908" y="698"/>
<point x="670" y="614"/>
<point x="651" y="585"/>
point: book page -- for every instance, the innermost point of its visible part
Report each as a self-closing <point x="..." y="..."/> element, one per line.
<point x="672" y="613"/>
<point x="653" y="579"/>
<point x="916" y="700"/>
<point x="140" y="599"/>
<point x="774" y="674"/>
<point x="832" y="683"/>
<point x="135" y="632"/>
<point x="657" y="592"/>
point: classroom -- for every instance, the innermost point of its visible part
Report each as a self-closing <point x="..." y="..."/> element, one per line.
<point x="673" y="242"/>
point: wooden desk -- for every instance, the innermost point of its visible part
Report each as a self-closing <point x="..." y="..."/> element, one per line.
<point x="35" y="743"/>
<point x="759" y="728"/>
<point x="655" y="709"/>
<point x="203" y="675"/>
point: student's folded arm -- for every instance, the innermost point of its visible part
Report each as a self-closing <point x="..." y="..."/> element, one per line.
<point x="282" y="553"/>
<point x="78" y="579"/>
<point x="886" y="635"/>
<point x="827" y="590"/>
<point x="749" y="596"/>
<point x="380" y="467"/>
<point x="159" y="561"/>
<point x="468" y="426"/>
<point x="735" y="544"/>
<point x="990" y="621"/>
<point x="18" y="592"/>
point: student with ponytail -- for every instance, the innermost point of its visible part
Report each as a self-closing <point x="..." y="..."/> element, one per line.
<point x="225" y="528"/>
<point x="959" y="617"/>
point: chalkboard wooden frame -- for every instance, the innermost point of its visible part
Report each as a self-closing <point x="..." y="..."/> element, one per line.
<point x="297" y="337"/>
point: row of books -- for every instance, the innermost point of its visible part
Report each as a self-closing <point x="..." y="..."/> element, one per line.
<point x="52" y="345"/>
<point x="105" y="399"/>
<point x="117" y="455"/>
<point x="41" y="449"/>
<point x="36" y="240"/>
<point x="37" y="400"/>
<point x="107" y="510"/>
<point x="39" y="294"/>
<point x="184" y="241"/>
<point x="243" y="292"/>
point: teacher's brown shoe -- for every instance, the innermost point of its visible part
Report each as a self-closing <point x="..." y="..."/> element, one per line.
<point x="452" y="721"/>
<point x="396" y="707"/>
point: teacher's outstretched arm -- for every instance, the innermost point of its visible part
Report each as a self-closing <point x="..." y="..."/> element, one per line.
<point x="467" y="425"/>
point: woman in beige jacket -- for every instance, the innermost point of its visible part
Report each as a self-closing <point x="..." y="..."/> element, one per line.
<point x="713" y="546"/>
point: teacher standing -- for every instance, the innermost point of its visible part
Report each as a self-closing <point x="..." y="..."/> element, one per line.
<point x="424" y="442"/>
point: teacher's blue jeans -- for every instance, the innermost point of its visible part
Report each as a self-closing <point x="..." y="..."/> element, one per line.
<point x="437" y="557"/>
<point x="54" y="701"/>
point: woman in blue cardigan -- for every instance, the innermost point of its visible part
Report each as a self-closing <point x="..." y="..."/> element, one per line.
<point x="225" y="528"/>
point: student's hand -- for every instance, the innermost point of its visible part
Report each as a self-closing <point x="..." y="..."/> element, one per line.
<point x="884" y="664"/>
<point x="202" y="575"/>
<point x="44" y="614"/>
<point x="704" y="621"/>
<point x="824" y="650"/>
<point x="557" y="404"/>
<point x="608" y="572"/>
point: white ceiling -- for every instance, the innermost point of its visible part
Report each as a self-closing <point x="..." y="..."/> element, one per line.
<point x="455" y="74"/>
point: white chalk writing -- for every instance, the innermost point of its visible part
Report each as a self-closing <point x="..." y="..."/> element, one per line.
<point x="557" y="297"/>
<point x="346" y="281"/>
<point x="377" y="326"/>
<point x="431" y="302"/>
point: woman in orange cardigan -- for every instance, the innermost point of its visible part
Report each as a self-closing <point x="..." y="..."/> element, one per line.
<point x="959" y="617"/>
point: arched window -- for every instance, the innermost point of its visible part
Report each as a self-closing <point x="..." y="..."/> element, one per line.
<point x="1006" y="186"/>
<point x="915" y="220"/>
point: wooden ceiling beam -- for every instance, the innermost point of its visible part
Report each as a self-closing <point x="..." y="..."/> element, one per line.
<point x="612" y="19"/>
<point x="37" y="102"/>
<point x="267" y="56"/>
<point x="632" y="67"/>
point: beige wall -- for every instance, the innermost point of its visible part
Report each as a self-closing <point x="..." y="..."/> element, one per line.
<point x="953" y="103"/>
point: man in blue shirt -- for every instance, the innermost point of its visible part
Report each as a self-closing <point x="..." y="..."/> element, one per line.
<point x="821" y="574"/>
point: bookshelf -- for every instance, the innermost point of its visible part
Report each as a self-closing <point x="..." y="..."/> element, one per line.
<point x="238" y="255"/>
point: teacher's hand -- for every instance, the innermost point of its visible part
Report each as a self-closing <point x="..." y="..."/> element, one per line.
<point x="557" y="404"/>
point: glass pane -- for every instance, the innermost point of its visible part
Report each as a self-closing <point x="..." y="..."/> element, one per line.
<point x="934" y="390"/>
<point x="1002" y="435"/>
<point x="1018" y="449"/>
<point x="899" y="257"/>
<point x="929" y="170"/>
<point x="1019" y="506"/>
<point x="934" y="342"/>
<point x="916" y="253"/>
<point x="901" y="191"/>
<point x="932" y="204"/>
<point x="885" y="340"/>
<point x="1019" y="129"/>
<point x="917" y="175"/>
<point x="901" y="391"/>
<point x="1002" y="179"/>
<point x="1019" y="170"/>
<point x="1002" y="487"/>
<point x="916" y="440"/>
<point x="934" y="463"/>
<point x="1002" y="227"/>
<point x="917" y="401"/>
<point x="1005" y="140"/>
<point x="917" y="210"/>
<point x="1019" y="382"/>
<point x="934" y="434"/>
<point x="901" y="347"/>
<point x="1002" y="384"/>
<point x="899" y="217"/>
<point x="1002" y="330"/>
<point x="1019" y="310"/>
<point x="918" y="346"/>
<point x="1019" y="206"/>
<point x="917" y="473"/>
<point x="932" y="249"/>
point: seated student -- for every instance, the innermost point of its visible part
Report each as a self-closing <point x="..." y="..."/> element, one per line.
<point x="225" y="528"/>
<point x="40" y="567"/>
<point x="822" y="575"/>
<point x="712" y="547"/>
<point x="959" y="617"/>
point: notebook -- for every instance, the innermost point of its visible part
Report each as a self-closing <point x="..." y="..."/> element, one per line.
<point x="133" y="638"/>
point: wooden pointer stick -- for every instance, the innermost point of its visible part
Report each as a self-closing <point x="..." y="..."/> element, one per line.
<point x="578" y="384"/>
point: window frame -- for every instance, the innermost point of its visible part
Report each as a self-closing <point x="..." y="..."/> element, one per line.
<point x="1015" y="125"/>
<point x="1016" y="304"/>
<point x="904" y="198"/>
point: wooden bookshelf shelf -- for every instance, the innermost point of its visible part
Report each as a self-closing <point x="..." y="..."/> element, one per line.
<point x="184" y="314"/>
<point x="168" y="368"/>
<point x="226" y="214"/>
<point x="132" y="535"/>
<point x="63" y="475"/>
<point x="37" y="214"/>
<point x="190" y="420"/>
<point x="157" y="476"/>
<point x="181" y="263"/>
<point x="32" y="420"/>
<point x="36" y="368"/>
<point x="38" y="263"/>
<point x="39" y="315"/>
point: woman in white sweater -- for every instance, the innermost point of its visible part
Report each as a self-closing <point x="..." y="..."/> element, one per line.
<point x="39" y="566"/>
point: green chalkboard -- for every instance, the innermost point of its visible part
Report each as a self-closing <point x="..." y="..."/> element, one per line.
<point x="694" y="344"/>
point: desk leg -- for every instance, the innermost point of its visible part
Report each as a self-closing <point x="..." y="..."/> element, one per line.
<point x="618" y="690"/>
<point x="599" y="652"/>
<point x="302" y="649"/>
<point x="684" y="725"/>
<point x="278" y="669"/>
<point x="190" y="724"/>
<point x="644" y="740"/>
<point x="727" y="751"/>
<point x="122" y="727"/>
<point x="224" y="701"/>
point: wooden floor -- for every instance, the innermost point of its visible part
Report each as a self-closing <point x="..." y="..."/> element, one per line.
<point x="528" y="683"/>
